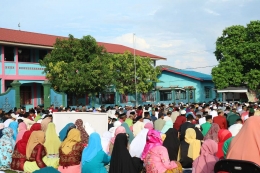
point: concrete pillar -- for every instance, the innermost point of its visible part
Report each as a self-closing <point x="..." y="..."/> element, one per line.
<point x="16" y="85"/>
<point x="47" y="94"/>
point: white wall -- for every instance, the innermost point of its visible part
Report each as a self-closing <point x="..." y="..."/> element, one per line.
<point x="99" y="121"/>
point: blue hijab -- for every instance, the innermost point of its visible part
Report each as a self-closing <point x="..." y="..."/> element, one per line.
<point x="14" y="126"/>
<point x="63" y="132"/>
<point x="47" y="169"/>
<point x="94" y="146"/>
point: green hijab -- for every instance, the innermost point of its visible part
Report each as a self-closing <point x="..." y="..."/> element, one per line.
<point x="129" y="132"/>
<point x="226" y="146"/>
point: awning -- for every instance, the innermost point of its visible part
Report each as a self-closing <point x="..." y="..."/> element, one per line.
<point x="233" y="91"/>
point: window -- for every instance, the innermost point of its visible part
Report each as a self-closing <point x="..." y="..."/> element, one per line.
<point x="183" y="95"/>
<point x="26" y="95"/>
<point x="148" y="97"/>
<point x="123" y="98"/>
<point x="9" y="53"/>
<point x="42" y="95"/>
<point x="24" y="55"/>
<point x="177" y="94"/>
<point x="42" y="54"/>
<point x="191" y="94"/>
<point x="207" y="93"/>
<point x="165" y="95"/>
<point x="108" y="98"/>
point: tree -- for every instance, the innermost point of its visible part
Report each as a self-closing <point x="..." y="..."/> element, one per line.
<point x="124" y="77"/>
<point x="78" y="66"/>
<point x="238" y="53"/>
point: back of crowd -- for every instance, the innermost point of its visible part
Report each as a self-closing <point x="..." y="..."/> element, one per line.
<point x="163" y="142"/>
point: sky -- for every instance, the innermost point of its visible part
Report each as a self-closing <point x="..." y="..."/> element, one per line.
<point x="183" y="31"/>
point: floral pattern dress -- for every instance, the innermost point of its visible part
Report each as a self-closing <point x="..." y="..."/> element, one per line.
<point x="7" y="144"/>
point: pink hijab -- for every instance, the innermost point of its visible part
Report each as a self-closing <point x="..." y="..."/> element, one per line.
<point x="148" y="126"/>
<point x="157" y="160"/>
<point x="153" y="139"/>
<point x="119" y="129"/>
<point x="206" y="161"/>
<point x="22" y="128"/>
<point x="212" y="133"/>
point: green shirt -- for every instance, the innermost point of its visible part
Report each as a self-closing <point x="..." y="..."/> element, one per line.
<point x="232" y="119"/>
<point x="205" y="128"/>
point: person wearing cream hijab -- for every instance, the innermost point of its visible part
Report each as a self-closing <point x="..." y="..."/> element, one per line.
<point x="247" y="137"/>
<point x="70" y="152"/>
<point x="189" y="149"/>
<point x="52" y="144"/>
<point x="34" y="149"/>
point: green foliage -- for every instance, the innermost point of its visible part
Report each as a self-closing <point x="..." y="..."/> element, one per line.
<point x="124" y="68"/>
<point x="238" y="53"/>
<point x="78" y="66"/>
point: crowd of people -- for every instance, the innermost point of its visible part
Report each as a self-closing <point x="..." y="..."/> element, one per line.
<point x="172" y="138"/>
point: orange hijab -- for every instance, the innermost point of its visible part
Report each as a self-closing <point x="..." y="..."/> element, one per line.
<point x="37" y="137"/>
<point x="246" y="144"/>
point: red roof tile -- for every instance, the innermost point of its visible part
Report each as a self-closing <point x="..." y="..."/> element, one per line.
<point x="23" y="37"/>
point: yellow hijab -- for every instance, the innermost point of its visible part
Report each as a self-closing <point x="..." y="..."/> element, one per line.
<point x="37" y="137"/>
<point x="194" y="148"/>
<point x="52" y="141"/>
<point x="72" y="138"/>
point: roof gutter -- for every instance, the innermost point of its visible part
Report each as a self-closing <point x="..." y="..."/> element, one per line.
<point x="25" y="45"/>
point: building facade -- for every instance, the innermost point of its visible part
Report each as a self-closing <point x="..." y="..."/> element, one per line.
<point x="23" y="82"/>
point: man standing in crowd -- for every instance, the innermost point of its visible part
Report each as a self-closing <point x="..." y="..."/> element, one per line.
<point x="220" y="120"/>
<point x="206" y="126"/>
<point x="180" y="120"/>
<point x="158" y="124"/>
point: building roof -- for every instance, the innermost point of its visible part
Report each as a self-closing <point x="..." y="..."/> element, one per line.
<point x="38" y="39"/>
<point x="187" y="73"/>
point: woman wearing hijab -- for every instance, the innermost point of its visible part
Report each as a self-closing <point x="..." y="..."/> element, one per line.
<point x="189" y="150"/>
<point x="63" y="132"/>
<point x="19" y="155"/>
<point x="89" y="129"/>
<point x="172" y="143"/>
<point x="148" y="126"/>
<point x="22" y="128"/>
<point x="45" y="122"/>
<point x="83" y="134"/>
<point x="223" y="135"/>
<point x="14" y="126"/>
<point x="121" y="161"/>
<point x="119" y="130"/>
<point x="70" y="152"/>
<point x="226" y="146"/>
<point x="35" y="151"/>
<point x="7" y="144"/>
<point x="248" y="136"/>
<point x="206" y="161"/>
<point x="129" y="132"/>
<point x="153" y="139"/>
<point x="137" y="145"/>
<point x="113" y="129"/>
<point x="157" y="161"/>
<point x="167" y="126"/>
<point x="213" y="133"/>
<point x="52" y="144"/>
<point x="94" y="158"/>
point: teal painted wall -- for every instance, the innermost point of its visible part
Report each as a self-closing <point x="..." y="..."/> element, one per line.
<point x="170" y="79"/>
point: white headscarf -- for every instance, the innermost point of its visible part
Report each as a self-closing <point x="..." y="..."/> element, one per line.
<point x="113" y="129"/>
<point x="235" y="128"/>
<point x="89" y="129"/>
<point x="138" y="144"/>
<point x="105" y="141"/>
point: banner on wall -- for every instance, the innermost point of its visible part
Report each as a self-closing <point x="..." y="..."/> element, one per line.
<point x="99" y="121"/>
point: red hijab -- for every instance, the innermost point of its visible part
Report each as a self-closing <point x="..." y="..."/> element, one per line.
<point x="21" y="145"/>
<point x="223" y="135"/>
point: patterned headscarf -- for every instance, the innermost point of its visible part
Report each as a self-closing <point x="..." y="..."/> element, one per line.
<point x="83" y="134"/>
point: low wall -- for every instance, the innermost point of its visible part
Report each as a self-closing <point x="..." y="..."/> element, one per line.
<point x="97" y="120"/>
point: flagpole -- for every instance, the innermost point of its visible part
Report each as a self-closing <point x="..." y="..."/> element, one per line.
<point x="136" y="99"/>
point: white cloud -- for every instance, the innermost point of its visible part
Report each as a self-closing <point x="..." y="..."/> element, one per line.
<point x="211" y="12"/>
<point x="128" y="40"/>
